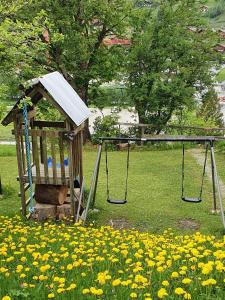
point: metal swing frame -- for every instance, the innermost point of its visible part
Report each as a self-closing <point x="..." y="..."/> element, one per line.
<point x="206" y="139"/>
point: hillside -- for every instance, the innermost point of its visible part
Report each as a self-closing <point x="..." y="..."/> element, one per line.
<point x="215" y="13"/>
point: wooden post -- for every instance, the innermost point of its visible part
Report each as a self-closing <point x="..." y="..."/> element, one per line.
<point x="36" y="158"/>
<point x="71" y="173"/>
<point x="81" y="157"/>
<point x="17" y="127"/>
<point x="142" y="134"/>
<point x="41" y="147"/>
<point x="53" y="161"/>
<point x="45" y="158"/>
<point x="23" y="152"/>
<point x="61" y="153"/>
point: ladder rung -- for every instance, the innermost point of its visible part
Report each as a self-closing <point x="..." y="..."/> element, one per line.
<point x="27" y="202"/>
<point x="26" y="187"/>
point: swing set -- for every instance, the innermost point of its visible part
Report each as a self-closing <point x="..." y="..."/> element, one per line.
<point x="209" y="145"/>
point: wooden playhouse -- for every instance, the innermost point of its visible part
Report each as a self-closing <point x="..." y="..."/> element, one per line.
<point x="55" y="148"/>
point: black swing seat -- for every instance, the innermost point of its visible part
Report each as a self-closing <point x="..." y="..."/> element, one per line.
<point x="114" y="201"/>
<point x="192" y="200"/>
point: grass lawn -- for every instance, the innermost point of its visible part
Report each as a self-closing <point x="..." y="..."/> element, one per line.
<point x="154" y="191"/>
<point x="6" y="133"/>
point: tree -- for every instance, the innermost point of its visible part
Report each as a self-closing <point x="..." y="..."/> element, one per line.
<point x="170" y="61"/>
<point x="63" y="35"/>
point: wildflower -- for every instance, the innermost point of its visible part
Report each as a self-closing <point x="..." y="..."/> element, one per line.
<point x="96" y="292"/>
<point x="165" y="283"/>
<point x="51" y="295"/>
<point x="85" y="291"/>
<point x="187" y="296"/>
<point x="209" y="281"/>
<point x="69" y="267"/>
<point x="186" y="281"/>
<point x="133" y="295"/>
<point x="6" y="298"/>
<point x="174" y="275"/>
<point x="179" y="291"/>
<point x="162" y="293"/>
<point x="116" y="282"/>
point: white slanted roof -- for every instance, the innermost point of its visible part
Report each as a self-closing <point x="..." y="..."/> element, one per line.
<point x="66" y="97"/>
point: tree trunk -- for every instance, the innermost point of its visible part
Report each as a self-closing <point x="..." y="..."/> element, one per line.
<point x="50" y="194"/>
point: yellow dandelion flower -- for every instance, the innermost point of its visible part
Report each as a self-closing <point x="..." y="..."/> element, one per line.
<point x="187" y="296"/>
<point x="179" y="291"/>
<point x="162" y="293"/>
<point x="116" y="282"/>
<point x="6" y="298"/>
<point x="133" y="295"/>
<point x="165" y="283"/>
<point x="85" y="291"/>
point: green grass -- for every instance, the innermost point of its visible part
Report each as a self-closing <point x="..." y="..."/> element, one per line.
<point x="6" y="133"/>
<point x="221" y="76"/>
<point x="154" y="191"/>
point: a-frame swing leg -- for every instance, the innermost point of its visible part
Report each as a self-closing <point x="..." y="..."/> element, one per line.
<point x="218" y="185"/>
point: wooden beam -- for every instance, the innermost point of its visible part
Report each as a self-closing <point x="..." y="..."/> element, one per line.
<point x="20" y="166"/>
<point x="54" y="124"/>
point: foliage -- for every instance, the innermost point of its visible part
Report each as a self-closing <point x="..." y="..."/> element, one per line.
<point x="170" y="62"/>
<point x="42" y="36"/>
<point x="46" y="111"/>
<point x="104" y="127"/>
<point x="3" y="110"/>
<point x="110" y="96"/>
<point x="66" y="262"/>
<point x="193" y="119"/>
<point x="210" y="109"/>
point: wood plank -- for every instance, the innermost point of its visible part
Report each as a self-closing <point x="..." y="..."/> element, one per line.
<point x="20" y="166"/>
<point x="55" y="124"/>
<point x="36" y="158"/>
<point x="23" y="153"/>
<point x="53" y="154"/>
<point x="38" y="132"/>
<point x="26" y="187"/>
<point x="81" y="157"/>
<point x="45" y="158"/>
<point x="61" y="153"/>
<point x="71" y="174"/>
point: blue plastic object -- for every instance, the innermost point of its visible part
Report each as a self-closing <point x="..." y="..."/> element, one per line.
<point x="49" y="161"/>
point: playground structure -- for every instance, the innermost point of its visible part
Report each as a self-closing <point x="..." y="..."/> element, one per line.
<point x="49" y="153"/>
<point x="207" y="140"/>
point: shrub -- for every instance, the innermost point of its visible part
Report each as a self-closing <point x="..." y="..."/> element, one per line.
<point x="105" y="126"/>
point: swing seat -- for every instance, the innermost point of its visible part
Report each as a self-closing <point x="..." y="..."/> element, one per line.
<point x="114" y="201"/>
<point x="191" y="200"/>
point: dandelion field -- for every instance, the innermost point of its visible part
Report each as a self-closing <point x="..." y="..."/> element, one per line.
<point x="73" y="262"/>
<point x="65" y="261"/>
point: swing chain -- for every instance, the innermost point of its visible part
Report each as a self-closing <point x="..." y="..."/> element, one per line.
<point x="107" y="177"/>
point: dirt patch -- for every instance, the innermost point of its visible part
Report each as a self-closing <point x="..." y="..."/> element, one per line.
<point x="121" y="223"/>
<point x="188" y="224"/>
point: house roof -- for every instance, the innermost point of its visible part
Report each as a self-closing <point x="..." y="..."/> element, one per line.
<point x="116" y="41"/>
<point x="63" y="96"/>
